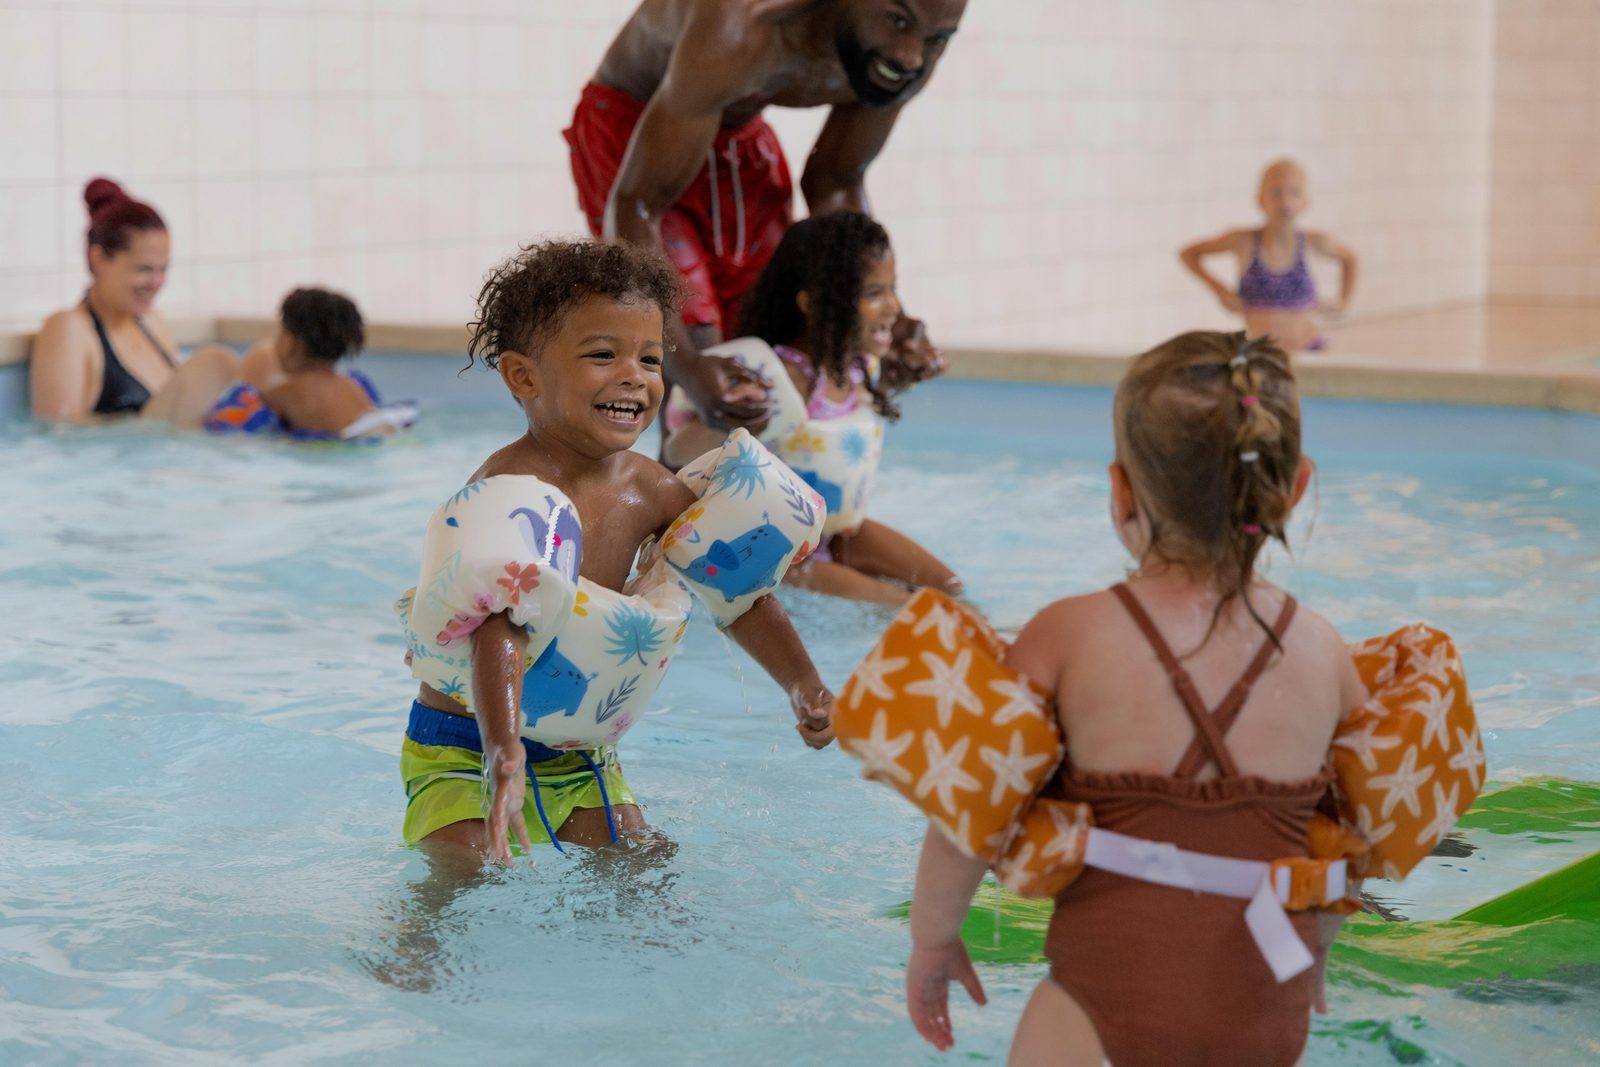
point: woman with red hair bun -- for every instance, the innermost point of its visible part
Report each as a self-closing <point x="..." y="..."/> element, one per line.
<point x="113" y="354"/>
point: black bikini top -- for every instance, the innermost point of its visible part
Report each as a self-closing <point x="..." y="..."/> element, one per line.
<point x="120" y="391"/>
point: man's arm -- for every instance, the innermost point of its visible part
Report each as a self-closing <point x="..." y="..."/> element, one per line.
<point x="835" y="180"/>
<point x="836" y="171"/>
<point x="719" y="46"/>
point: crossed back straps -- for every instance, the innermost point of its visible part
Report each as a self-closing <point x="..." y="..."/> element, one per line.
<point x="1209" y="726"/>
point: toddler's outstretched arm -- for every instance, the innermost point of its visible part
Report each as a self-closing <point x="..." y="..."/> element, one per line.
<point x="766" y="633"/>
<point x="497" y="652"/>
<point x="946" y="881"/>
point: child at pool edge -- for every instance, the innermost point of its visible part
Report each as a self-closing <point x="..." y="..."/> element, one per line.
<point x="826" y="303"/>
<point x="575" y="330"/>
<point x="296" y="370"/>
<point x="1276" y="293"/>
<point x="1207" y="470"/>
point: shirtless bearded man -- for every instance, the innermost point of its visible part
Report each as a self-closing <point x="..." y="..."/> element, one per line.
<point x="669" y="148"/>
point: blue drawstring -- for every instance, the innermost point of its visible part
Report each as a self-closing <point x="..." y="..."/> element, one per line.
<point x="538" y="804"/>
<point x="605" y="797"/>
<point x="429" y="726"/>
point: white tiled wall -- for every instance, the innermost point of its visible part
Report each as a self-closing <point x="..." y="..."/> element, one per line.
<point x="1037" y="192"/>
<point x="1545" y="228"/>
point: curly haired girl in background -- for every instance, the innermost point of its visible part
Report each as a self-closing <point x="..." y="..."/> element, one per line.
<point x="826" y="303"/>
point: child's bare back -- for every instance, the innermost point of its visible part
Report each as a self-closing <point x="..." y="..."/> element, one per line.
<point x="1116" y="702"/>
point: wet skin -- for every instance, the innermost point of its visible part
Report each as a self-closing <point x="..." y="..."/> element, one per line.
<point x="706" y="65"/>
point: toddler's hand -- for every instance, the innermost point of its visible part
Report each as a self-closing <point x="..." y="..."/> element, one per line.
<point x="814" y="710"/>
<point x="928" y="976"/>
<point x="508" y="771"/>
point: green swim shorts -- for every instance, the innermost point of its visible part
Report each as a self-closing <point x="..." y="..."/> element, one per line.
<point x="444" y="784"/>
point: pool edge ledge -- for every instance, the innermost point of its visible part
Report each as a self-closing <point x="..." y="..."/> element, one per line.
<point x="1561" y="390"/>
<point x="1573" y="389"/>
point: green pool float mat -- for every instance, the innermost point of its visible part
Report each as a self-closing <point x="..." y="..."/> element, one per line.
<point x="1548" y="929"/>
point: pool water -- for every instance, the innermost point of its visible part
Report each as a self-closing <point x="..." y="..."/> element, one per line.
<point x="199" y="850"/>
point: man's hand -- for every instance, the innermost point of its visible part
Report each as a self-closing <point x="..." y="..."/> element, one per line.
<point x="912" y="357"/>
<point x="725" y="394"/>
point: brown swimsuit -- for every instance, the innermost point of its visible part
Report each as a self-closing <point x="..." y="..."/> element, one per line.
<point x="1170" y="977"/>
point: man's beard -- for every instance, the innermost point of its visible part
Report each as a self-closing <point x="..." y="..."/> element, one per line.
<point x="857" y="61"/>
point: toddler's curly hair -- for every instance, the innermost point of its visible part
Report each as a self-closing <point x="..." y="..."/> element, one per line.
<point x="524" y="299"/>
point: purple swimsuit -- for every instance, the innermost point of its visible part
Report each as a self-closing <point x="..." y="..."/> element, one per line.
<point x="1261" y="288"/>
<point x="818" y="406"/>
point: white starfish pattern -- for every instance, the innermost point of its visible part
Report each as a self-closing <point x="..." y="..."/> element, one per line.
<point x="1371" y="833"/>
<point x="947" y="686"/>
<point x="880" y="754"/>
<point x="943" y="623"/>
<point x="1020" y="700"/>
<point x="1470" y="758"/>
<point x="995" y="841"/>
<point x="1401" y="786"/>
<point x="944" y="774"/>
<point x="1011" y="769"/>
<point x="1437" y="662"/>
<point x="1444" y="813"/>
<point x="869" y="677"/>
<point x="961" y="832"/>
<point x="1385" y="673"/>
<point x="1364" y="742"/>
<point x="1434" y="706"/>
<point x="1014" y="868"/>
<point x="1067" y="843"/>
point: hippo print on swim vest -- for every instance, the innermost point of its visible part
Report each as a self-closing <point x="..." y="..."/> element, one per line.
<point x="832" y="493"/>
<point x="553" y="684"/>
<point x="556" y="536"/>
<point x="748" y="562"/>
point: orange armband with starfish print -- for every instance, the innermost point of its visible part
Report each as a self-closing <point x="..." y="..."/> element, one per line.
<point x="1408" y="762"/>
<point x="935" y="713"/>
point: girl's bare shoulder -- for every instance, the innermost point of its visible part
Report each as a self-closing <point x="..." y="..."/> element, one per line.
<point x="1057" y="634"/>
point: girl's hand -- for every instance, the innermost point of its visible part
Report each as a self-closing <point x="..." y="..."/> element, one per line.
<point x="1230" y="300"/>
<point x="1332" y="309"/>
<point x="508" y="777"/>
<point x="813" y="707"/>
<point x="912" y="357"/>
<point x="928" y="978"/>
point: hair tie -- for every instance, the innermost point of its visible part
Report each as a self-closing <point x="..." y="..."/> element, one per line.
<point x="1238" y="361"/>
<point x="1249" y="400"/>
<point x="1252" y="529"/>
<point x="1249" y="457"/>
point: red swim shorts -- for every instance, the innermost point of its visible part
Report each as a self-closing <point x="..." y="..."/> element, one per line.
<point x="724" y="227"/>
